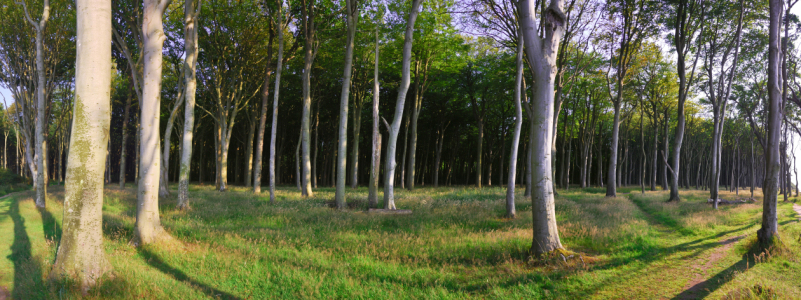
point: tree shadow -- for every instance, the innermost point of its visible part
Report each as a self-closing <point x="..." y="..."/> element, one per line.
<point x="51" y="228"/>
<point x="155" y="261"/>
<point x="704" y="288"/>
<point x="27" y="272"/>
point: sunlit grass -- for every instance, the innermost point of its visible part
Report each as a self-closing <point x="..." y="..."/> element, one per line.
<point x="456" y="244"/>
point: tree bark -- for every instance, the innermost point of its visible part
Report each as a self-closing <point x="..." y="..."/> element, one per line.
<point x="39" y="157"/>
<point x="191" y="14"/>
<point x="403" y="88"/>
<point x="541" y="54"/>
<point x="510" y="187"/>
<point x="770" y="227"/>
<point x="148" y="225"/>
<point x="342" y="149"/>
<point x="80" y="253"/>
<point x="123" y="147"/>
<point x="375" y="161"/>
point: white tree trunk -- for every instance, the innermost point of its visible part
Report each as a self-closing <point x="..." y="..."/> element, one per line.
<point x="541" y="53"/>
<point x="39" y="171"/>
<point x="375" y="162"/>
<point x="80" y="253"/>
<point x="403" y="88"/>
<point x="190" y="78"/>
<point x="510" y="188"/>
<point x="274" y="126"/>
<point x="770" y="226"/>
<point x="148" y="224"/>
<point x="342" y="152"/>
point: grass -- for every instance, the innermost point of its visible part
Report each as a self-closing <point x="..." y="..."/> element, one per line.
<point x="456" y="244"/>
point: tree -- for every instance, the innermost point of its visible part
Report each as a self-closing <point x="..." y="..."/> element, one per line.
<point x="635" y="25"/>
<point x="769" y="232"/>
<point x="80" y="253"/>
<point x="351" y="11"/>
<point x="148" y="224"/>
<point x="687" y="25"/>
<point x="541" y="52"/>
<point x="510" y="188"/>
<point x="40" y="180"/>
<point x="403" y="88"/>
<point x="191" y="13"/>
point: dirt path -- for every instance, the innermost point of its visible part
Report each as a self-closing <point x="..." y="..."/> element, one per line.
<point x="797" y="209"/>
<point x="699" y="283"/>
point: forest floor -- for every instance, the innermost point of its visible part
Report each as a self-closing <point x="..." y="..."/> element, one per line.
<point x="455" y="244"/>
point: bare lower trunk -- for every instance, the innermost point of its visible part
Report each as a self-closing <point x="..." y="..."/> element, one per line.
<point x="611" y="184"/>
<point x="375" y="161"/>
<point x="541" y="54"/>
<point x="389" y="195"/>
<point x="248" y="159"/>
<point x="354" y="156"/>
<point x="510" y="188"/>
<point x="123" y="147"/>
<point x="263" y="116"/>
<point x="148" y="224"/>
<point x="770" y="226"/>
<point x="80" y="253"/>
<point x="342" y="149"/>
<point x="190" y="78"/>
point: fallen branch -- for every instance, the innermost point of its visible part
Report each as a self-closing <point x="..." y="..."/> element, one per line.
<point x="389" y="211"/>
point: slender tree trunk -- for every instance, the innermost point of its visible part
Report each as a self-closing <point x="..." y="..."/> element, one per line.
<point x="510" y="187"/>
<point x="342" y="151"/>
<point x="309" y="29"/>
<point x="80" y="254"/>
<point x="389" y="195"/>
<point x="611" y="185"/>
<point x="190" y="78"/>
<point x="297" y="162"/>
<point x="148" y="224"/>
<point x="315" y="171"/>
<point x="479" y="153"/>
<point x="257" y="172"/>
<point x="402" y="176"/>
<point x="123" y="147"/>
<point x="354" y="158"/>
<point x="375" y="160"/>
<point x="249" y="154"/>
<point x="165" y="156"/>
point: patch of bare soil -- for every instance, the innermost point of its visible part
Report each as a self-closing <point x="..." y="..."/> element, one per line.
<point x="797" y="209"/>
<point x="695" y="287"/>
<point x="4" y="294"/>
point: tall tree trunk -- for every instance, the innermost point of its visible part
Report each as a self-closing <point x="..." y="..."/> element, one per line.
<point x="354" y="155"/>
<point x="148" y="225"/>
<point x="315" y="171"/>
<point x="541" y="54"/>
<point x="342" y="150"/>
<point x="642" y="150"/>
<point x="80" y="255"/>
<point x="165" y="156"/>
<point x="40" y="180"/>
<point x="438" y="155"/>
<point x="309" y="31"/>
<point x="265" y="100"/>
<point x="403" y="88"/>
<point x="402" y="176"/>
<point x="123" y="147"/>
<point x="190" y="78"/>
<point x="249" y="154"/>
<point x="770" y="226"/>
<point x="479" y="154"/>
<point x="665" y="149"/>
<point x="611" y="184"/>
<point x="510" y="187"/>
<point x="375" y="161"/>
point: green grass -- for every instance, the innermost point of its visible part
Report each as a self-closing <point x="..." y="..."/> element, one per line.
<point x="455" y="245"/>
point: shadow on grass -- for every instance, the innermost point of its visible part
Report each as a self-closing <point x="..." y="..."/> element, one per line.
<point x="27" y="273"/>
<point x="155" y="261"/>
<point x="704" y="288"/>
<point x="51" y="228"/>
